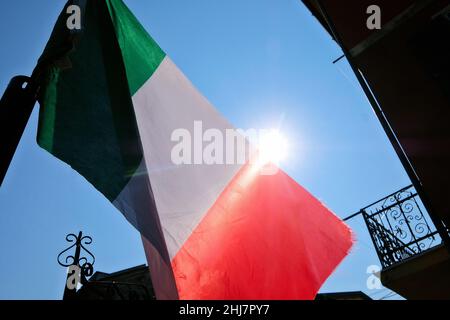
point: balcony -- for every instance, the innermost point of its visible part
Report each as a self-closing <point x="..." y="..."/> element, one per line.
<point x="415" y="262"/>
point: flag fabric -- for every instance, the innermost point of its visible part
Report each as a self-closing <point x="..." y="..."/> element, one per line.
<point x="110" y="100"/>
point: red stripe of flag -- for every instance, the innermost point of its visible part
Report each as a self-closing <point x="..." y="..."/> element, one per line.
<point x="265" y="238"/>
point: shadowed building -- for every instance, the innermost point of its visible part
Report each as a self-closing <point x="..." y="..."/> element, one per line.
<point x="404" y="69"/>
<point x="129" y="284"/>
<point x="356" y="295"/>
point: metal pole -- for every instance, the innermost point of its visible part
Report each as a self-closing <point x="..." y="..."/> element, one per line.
<point x="352" y="216"/>
<point x="388" y="129"/>
<point x="16" y="106"/>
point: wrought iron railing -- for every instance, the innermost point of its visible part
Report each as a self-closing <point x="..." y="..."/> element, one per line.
<point x="400" y="227"/>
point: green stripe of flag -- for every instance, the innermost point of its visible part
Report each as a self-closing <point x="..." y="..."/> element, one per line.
<point x="141" y="54"/>
<point x="86" y="117"/>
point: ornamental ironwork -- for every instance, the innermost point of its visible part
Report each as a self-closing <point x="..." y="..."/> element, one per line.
<point x="78" y="257"/>
<point x="399" y="227"/>
<point x="82" y="257"/>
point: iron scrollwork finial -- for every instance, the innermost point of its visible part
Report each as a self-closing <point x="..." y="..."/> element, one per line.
<point x="82" y="258"/>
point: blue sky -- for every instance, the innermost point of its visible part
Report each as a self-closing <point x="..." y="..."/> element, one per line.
<point x="259" y="62"/>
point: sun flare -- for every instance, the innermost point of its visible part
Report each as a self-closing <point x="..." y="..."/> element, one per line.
<point x="273" y="147"/>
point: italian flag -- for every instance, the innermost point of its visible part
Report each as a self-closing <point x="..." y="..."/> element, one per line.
<point x="110" y="100"/>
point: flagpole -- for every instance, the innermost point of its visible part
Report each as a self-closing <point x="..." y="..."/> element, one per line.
<point x="16" y="106"/>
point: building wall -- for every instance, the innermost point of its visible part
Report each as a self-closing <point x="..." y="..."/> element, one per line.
<point x="408" y="70"/>
<point x="406" y="64"/>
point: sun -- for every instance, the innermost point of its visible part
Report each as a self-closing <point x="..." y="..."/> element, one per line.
<point x="272" y="147"/>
